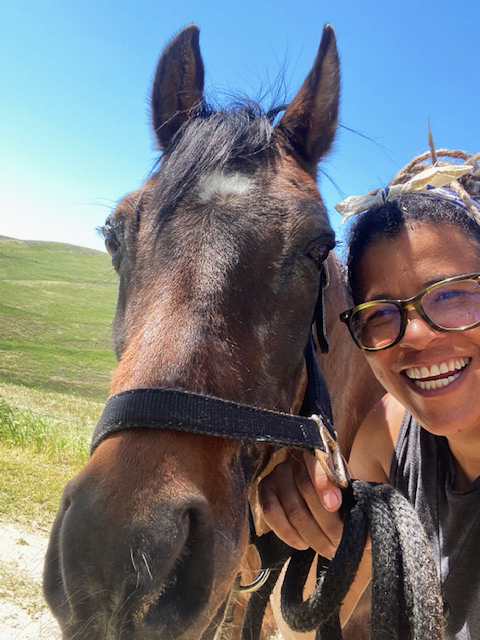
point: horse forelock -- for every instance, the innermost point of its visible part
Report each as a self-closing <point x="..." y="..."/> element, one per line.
<point x="237" y="139"/>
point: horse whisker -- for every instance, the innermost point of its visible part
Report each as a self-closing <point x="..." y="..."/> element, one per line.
<point x="148" y="568"/>
<point x="132" y="559"/>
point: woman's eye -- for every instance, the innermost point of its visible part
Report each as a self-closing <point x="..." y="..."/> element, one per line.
<point x="382" y="316"/>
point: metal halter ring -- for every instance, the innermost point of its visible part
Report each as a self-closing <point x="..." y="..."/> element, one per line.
<point x="257" y="583"/>
<point x="339" y="474"/>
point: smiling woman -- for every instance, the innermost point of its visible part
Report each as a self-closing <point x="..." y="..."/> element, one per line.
<point x="413" y="266"/>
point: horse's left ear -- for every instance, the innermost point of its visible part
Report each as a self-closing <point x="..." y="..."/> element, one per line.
<point x="178" y="85"/>
<point x="310" y="121"/>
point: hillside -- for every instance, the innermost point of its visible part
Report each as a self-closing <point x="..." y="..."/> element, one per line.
<point x="56" y="309"/>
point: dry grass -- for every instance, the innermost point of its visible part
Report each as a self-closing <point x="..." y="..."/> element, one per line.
<point x="19" y="588"/>
<point x="44" y="440"/>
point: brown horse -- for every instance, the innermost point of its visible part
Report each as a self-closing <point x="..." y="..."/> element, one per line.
<point x="218" y="256"/>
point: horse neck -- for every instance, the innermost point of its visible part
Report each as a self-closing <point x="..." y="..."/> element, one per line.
<point x="353" y="388"/>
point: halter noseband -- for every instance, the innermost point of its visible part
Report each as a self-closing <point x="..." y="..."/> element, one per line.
<point x="179" y="410"/>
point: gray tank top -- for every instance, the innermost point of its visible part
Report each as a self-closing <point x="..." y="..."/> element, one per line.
<point x="423" y="470"/>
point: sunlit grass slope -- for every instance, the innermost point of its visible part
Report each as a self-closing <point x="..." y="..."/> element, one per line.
<point x="44" y="442"/>
<point x="56" y="308"/>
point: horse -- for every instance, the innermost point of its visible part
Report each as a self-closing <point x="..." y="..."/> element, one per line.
<point x="219" y="257"/>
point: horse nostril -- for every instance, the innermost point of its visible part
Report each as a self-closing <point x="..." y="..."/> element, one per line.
<point x="186" y="588"/>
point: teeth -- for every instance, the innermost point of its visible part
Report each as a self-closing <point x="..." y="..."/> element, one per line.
<point x="417" y="373"/>
<point x="436" y="384"/>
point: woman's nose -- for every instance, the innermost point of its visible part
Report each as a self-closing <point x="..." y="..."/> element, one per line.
<point x="418" y="333"/>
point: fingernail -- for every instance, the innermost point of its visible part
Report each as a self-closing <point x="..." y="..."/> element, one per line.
<point x="331" y="499"/>
<point x="301" y="546"/>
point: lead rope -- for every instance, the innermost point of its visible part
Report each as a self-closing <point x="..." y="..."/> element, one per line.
<point x="406" y="597"/>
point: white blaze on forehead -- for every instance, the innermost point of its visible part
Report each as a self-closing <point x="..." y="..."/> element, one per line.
<point x="223" y="185"/>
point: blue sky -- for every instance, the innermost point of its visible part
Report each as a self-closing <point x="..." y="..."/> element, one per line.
<point x="75" y="79"/>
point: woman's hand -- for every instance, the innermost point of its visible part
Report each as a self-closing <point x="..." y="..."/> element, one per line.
<point x="301" y="505"/>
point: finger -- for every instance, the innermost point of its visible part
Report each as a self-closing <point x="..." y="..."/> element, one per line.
<point x="293" y="523"/>
<point x="329" y="494"/>
<point x="287" y="513"/>
<point x="276" y="518"/>
<point x="323" y="499"/>
<point x="285" y="510"/>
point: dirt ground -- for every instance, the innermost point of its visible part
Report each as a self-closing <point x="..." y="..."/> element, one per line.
<point x="23" y="613"/>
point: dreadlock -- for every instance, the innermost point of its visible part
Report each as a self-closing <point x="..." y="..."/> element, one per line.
<point x="390" y="218"/>
<point x="465" y="187"/>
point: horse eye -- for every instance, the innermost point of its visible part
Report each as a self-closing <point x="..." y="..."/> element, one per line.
<point x="319" y="253"/>
<point x="111" y="244"/>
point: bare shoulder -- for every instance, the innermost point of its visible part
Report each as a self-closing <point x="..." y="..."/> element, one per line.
<point x="374" y="443"/>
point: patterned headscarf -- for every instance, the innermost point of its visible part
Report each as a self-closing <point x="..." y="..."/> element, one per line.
<point x="439" y="180"/>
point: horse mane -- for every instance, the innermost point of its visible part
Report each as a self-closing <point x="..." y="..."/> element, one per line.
<point x="239" y="136"/>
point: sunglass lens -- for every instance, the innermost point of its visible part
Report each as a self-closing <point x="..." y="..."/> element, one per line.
<point x="455" y="305"/>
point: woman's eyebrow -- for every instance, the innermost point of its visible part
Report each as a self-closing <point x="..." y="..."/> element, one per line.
<point x="426" y="284"/>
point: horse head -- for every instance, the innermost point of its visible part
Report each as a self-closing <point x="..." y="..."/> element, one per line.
<point x="219" y="257"/>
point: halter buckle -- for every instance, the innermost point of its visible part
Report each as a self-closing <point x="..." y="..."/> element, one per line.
<point x="338" y="474"/>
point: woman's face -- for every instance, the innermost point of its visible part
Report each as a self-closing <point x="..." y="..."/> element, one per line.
<point x="400" y="268"/>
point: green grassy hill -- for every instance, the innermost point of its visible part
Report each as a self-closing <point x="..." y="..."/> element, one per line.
<point x="56" y="309"/>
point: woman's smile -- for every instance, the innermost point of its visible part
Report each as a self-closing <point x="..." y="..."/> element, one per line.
<point x="437" y="376"/>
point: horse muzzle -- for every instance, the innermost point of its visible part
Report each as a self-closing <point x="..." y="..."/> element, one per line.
<point x="125" y="571"/>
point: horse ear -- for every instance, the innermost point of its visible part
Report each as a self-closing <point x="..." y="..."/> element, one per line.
<point x="310" y="121"/>
<point x="178" y="85"/>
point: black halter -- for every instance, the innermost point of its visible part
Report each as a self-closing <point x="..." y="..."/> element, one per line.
<point x="161" y="408"/>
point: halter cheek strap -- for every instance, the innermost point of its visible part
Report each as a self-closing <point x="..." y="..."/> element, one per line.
<point x="320" y="317"/>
